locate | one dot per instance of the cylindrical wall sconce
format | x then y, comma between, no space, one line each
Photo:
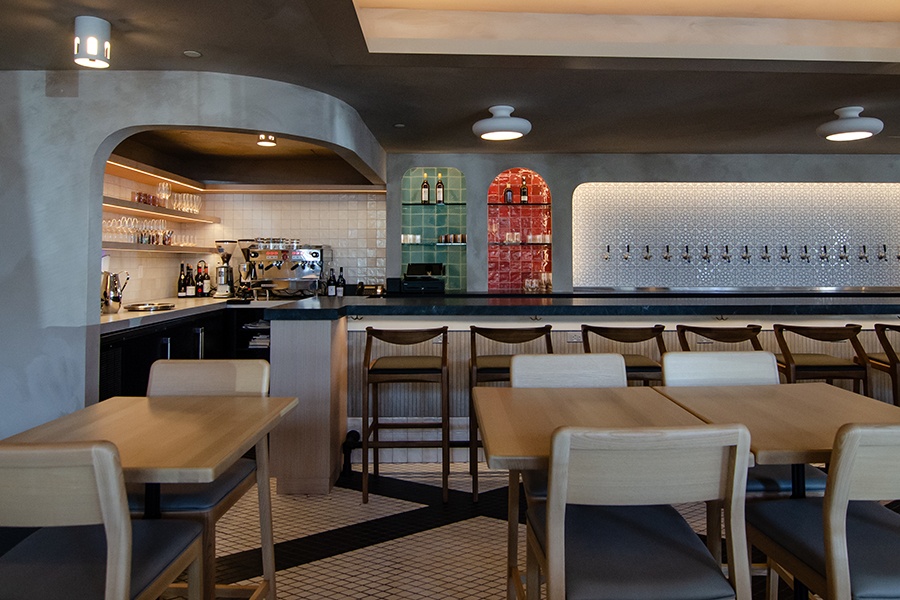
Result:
92,42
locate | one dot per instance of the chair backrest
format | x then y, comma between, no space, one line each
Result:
246,377
405,337
719,368
567,370
865,465
645,467
849,332
726,335
510,335
881,330
53,485
625,335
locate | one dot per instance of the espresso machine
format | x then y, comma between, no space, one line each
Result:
282,267
224,273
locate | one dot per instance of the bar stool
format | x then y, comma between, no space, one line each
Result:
637,366
797,366
887,361
727,335
405,368
486,368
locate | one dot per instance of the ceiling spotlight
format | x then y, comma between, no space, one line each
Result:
92,42
850,126
266,139
501,126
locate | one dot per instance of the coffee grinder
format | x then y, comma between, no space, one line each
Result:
224,274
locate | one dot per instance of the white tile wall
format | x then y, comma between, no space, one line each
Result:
353,224
756,215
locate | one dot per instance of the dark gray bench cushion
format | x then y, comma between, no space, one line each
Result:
176,497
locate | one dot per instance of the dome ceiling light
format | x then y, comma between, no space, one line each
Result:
501,126
849,126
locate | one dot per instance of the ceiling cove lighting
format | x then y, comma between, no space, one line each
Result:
267,140
501,126
849,126
92,42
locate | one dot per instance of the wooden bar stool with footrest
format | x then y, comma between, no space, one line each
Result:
406,368
484,368
796,366
637,366
725,335
887,361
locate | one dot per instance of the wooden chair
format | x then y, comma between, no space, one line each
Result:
408,368
737,368
726,335
796,366
491,367
205,502
845,545
86,546
887,361
639,367
607,529
557,371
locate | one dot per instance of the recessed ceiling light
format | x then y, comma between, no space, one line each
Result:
399,125
192,54
266,139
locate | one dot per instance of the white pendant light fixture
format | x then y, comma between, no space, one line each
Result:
849,126
501,126
267,140
92,42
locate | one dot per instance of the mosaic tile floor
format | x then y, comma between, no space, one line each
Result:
404,544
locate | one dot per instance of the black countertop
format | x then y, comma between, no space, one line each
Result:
618,302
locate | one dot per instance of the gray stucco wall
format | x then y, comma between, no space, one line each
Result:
58,129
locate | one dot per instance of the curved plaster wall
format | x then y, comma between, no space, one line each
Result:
58,130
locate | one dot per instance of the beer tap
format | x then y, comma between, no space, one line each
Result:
765,255
606,254
805,254
686,255
627,254
666,255
863,254
706,255
726,256
882,254
842,255
647,255
745,255
823,255
786,256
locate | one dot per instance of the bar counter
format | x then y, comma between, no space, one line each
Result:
315,345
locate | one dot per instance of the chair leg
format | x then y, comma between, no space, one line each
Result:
512,536
895,386
445,438
473,443
365,443
209,557
771,581
264,498
714,529
532,575
195,579
375,428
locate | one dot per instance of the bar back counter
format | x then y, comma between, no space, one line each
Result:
317,346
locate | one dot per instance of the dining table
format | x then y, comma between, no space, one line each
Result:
516,425
181,439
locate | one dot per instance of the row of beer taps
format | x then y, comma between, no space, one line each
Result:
822,253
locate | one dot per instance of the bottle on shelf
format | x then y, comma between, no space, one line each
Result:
331,285
204,285
181,290
439,191
190,286
426,189
508,194
341,284
523,191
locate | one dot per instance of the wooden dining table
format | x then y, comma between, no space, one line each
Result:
180,439
516,425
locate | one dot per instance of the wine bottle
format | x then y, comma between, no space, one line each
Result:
190,286
331,285
523,191
341,283
508,194
207,283
439,191
181,290
426,190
